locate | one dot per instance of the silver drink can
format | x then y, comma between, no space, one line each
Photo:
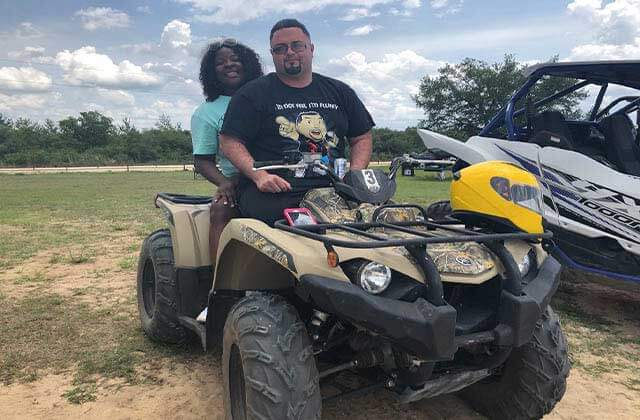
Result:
340,167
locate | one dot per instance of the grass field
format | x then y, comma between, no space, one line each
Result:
77,220
78,210
67,286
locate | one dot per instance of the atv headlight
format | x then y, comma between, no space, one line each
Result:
525,265
374,277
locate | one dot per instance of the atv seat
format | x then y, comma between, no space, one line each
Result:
621,147
551,129
186,199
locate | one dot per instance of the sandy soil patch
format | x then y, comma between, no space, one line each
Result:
193,389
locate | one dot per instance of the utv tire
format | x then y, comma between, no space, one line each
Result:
533,379
269,369
439,210
158,289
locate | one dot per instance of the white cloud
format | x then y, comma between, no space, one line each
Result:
23,79
85,66
144,9
399,12
13,103
179,111
386,86
446,7
116,97
27,53
27,30
94,18
362,30
176,34
144,48
616,23
358,13
176,43
234,12
412,4
605,52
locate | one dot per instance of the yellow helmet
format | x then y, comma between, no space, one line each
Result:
499,193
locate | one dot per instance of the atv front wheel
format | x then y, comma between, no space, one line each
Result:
533,379
268,364
158,289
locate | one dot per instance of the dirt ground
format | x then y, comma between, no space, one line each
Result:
193,389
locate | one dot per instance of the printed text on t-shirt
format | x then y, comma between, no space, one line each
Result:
308,105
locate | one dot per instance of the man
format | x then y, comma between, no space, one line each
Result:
291,109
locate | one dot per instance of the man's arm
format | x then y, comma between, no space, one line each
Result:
235,150
361,148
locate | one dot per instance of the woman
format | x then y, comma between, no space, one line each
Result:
225,67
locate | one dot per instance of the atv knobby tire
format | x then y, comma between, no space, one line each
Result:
269,369
533,379
158,289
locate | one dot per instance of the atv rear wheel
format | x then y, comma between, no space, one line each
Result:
158,289
268,365
533,379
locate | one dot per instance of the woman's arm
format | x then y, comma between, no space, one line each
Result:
226,186
205,166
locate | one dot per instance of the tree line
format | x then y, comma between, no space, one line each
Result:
90,139
456,102
93,139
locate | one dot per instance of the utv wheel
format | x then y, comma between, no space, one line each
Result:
532,380
268,364
158,289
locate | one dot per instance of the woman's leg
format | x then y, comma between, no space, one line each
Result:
219,217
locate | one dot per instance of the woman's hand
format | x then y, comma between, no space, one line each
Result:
226,192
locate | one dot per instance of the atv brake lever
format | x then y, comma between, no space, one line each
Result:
395,165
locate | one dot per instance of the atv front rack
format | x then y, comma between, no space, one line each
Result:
416,245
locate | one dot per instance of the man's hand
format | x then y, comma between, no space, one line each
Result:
226,192
267,182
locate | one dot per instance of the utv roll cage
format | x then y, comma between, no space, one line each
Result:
601,73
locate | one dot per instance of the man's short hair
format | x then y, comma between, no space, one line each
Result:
288,23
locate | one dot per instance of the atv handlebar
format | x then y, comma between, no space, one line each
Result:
290,163
263,163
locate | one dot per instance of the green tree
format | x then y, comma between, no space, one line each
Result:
462,98
92,129
388,143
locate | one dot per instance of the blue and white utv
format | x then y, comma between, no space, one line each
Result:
589,169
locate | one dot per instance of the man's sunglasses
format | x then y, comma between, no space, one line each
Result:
227,42
296,46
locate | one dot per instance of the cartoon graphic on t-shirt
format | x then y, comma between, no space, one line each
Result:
311,127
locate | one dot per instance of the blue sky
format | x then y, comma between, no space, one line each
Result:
139,59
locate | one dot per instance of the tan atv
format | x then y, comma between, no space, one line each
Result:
357,283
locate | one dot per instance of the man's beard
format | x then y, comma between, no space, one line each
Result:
293,70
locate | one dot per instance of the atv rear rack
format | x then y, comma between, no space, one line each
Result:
416,245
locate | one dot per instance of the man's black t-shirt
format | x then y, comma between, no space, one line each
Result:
271,117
